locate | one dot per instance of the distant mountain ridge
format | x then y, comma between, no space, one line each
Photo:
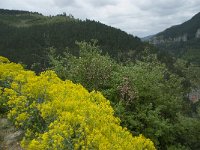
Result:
25,36
181,40
18,18
186,31
147,38
16,12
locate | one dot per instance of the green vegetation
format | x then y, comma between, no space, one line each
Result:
182,40
60,115
189,27
146,87
183,43
27,19
25,37
192,55
146,96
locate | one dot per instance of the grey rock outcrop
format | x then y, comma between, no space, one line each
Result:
160,39
181,38
9,136
198,33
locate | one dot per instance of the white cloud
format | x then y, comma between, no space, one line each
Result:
141,18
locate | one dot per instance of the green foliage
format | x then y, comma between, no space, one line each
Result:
189,27
146,96
189,49
21,19
60,115
157,102
26,36
188,131
191,72
192,55
90,68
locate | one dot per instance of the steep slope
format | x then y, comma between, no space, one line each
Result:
190,28
186,31
181,40
25,36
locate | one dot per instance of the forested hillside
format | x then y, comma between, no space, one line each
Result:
183,40
25,36
189,27
93,86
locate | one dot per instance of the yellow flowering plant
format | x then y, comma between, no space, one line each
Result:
58,114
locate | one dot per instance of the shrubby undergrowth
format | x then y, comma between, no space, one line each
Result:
57,114
147,97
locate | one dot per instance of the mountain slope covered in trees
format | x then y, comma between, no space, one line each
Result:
25,36
189,27
183,40
150,97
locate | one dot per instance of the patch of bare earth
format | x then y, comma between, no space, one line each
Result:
9,136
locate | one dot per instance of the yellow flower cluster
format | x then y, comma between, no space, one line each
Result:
4,60
60,115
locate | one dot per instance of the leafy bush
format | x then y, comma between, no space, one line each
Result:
58,114
146,96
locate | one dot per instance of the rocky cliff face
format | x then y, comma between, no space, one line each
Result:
198,33
160,39
185,32
182,38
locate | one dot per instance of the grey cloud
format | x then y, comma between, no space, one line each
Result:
65,3
101,3
141,18
162,7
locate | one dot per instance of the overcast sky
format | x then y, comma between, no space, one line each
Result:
137,17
